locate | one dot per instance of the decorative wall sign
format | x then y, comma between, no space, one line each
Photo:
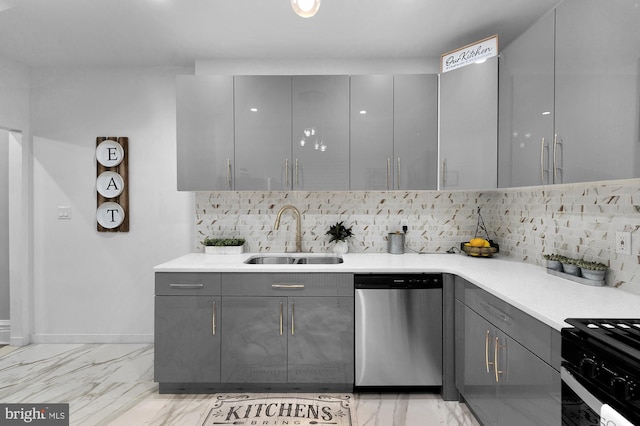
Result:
469,54
112,161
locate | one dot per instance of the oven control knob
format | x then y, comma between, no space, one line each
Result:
622,389
589,368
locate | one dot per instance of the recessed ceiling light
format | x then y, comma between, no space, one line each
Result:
305,8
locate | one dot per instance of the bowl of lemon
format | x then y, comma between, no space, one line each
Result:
479,247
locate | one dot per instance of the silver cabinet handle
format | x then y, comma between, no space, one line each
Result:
179,285
281,319
287,285
286,172
542,169
557,144
229,173
497,312
443,174
297,179
398,175
293,321
388,172
213,319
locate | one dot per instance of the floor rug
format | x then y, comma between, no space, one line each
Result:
281,410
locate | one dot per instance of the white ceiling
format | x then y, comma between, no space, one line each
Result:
177,32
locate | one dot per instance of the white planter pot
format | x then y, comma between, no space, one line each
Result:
593,275
224,249
340,247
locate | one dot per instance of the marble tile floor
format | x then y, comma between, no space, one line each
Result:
112,384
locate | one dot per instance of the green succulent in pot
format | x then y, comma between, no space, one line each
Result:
339,232
222,242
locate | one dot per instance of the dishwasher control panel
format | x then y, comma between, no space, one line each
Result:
386,281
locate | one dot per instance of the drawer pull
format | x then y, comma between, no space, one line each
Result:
179,285
281,318
293,321
287,286
497,312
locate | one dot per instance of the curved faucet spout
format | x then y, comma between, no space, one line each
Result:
296,214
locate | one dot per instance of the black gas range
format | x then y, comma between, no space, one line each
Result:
601,372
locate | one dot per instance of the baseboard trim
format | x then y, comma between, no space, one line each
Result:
92,338
5,332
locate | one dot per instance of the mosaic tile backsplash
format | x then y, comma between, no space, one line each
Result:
577,220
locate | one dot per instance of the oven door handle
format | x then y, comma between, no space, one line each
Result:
586,396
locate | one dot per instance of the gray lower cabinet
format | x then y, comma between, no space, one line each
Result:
295,330
256,331
502,381
187,332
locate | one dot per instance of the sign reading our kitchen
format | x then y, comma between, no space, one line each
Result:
469,54
111,184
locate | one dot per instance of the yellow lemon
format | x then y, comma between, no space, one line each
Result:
478,242
487,244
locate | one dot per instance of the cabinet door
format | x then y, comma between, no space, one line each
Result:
187,339
468,130
526,107
371,117
480,389
254,343
528,390
263,132
204,113
597,86
321,340
415,132
321,132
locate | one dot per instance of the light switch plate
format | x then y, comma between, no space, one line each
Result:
64,212
623,242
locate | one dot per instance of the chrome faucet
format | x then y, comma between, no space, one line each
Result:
296,213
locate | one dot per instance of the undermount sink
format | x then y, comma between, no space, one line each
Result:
294,259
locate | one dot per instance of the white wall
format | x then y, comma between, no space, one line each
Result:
4,226
14,114
91,286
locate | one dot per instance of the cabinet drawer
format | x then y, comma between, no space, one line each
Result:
187,283
282,284
522,327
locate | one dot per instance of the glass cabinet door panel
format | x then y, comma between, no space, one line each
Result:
526,91
263,132
320,132
371,115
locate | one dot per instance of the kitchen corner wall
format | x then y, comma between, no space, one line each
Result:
578,220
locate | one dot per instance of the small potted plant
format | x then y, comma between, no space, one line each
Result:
223,245
570,266
593,270
339,234
553,261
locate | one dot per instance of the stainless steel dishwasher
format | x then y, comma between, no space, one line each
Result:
398,331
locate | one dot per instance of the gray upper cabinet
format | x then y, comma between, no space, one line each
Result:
468,129
569,97
204,132
415,131
371,132
320,132
526,91
263,133
597,90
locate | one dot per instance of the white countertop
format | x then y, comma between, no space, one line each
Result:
528,287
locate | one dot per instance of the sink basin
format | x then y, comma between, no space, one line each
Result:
294,259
